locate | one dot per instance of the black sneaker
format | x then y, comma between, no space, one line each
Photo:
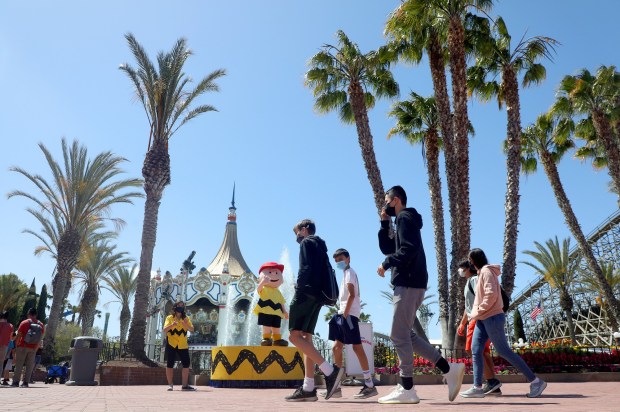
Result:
332,382
5,383
24,385
366,392
302,396
188,388
15,385
492,386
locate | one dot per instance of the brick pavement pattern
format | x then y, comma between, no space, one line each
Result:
566,397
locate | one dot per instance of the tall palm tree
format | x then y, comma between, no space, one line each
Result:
496,58
167,99
548,140
79,196
100,259
555,265
344,79
122,283
418,122
596,97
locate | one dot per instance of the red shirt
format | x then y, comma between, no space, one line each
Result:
23,329
6,331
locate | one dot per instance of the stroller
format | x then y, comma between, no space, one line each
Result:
57,373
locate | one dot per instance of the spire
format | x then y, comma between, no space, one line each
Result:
232,210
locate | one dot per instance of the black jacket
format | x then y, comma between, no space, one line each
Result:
312,258
405,253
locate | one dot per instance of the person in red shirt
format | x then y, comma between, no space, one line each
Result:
26,347
6,331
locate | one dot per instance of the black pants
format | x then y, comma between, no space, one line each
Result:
171,354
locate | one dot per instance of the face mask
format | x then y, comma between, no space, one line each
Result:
299,238
461,273
389,210
179,309
342,265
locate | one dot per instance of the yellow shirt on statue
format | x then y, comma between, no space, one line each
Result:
270,302
177,336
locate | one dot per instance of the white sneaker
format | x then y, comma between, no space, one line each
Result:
400,395
454,379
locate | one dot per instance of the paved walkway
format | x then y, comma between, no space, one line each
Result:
591,396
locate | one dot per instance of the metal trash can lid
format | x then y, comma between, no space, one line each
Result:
83,342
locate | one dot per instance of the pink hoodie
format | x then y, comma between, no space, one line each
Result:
488,301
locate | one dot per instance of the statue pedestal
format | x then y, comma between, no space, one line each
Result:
256,367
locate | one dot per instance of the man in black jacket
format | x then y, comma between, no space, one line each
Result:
405,257
304,312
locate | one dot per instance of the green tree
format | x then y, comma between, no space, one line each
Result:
555,265
12,292
99,261
42,305
167,101
548,140
122,283
344,79
519,331
417,121
495,74
79,196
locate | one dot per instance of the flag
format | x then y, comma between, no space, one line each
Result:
537,311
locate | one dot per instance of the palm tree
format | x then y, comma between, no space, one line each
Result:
79,196
495,59
122,283
418,122
167,101
344,79
555,265
548,140
12,291
100,259
597,98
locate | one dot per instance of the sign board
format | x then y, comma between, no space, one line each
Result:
353,367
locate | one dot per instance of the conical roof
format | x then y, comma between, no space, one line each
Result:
229,258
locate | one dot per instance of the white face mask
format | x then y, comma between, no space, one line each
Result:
461,273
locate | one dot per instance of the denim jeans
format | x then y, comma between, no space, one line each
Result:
406,341
493,329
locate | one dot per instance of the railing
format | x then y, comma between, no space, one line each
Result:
117,351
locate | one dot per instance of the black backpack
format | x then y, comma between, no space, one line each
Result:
329,286
34,334
505,298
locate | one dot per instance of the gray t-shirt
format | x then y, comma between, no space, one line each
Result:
469,295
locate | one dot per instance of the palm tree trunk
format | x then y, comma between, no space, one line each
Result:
573,225
438,73
156,173
610,143
124,320
89,306
68,251
434,186
360,113
566,303
513,171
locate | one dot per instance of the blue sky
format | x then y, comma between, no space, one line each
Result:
59,68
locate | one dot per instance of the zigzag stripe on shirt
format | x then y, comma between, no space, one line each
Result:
269,303
178,332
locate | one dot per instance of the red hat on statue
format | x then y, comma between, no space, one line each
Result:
274,265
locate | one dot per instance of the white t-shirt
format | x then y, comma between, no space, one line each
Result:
350,277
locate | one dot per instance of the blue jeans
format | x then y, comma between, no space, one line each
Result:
493,329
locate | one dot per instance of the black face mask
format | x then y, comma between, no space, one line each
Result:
299,238
179,309
389,210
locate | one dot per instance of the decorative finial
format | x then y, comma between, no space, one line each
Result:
233,199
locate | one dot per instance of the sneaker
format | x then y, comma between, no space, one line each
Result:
496,392
454,379
332,382
366,392
337,393
302,396
492,385
537,388
188,388
25,385
170,388
400,395
473,392
15,385
5,383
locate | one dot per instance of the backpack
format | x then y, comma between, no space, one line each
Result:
34,334
329,292
505,298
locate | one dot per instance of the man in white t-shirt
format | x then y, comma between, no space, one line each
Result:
344,326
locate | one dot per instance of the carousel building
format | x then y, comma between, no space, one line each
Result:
217,298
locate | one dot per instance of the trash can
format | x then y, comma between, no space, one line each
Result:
85,352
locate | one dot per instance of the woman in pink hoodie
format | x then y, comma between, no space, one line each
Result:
490,320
